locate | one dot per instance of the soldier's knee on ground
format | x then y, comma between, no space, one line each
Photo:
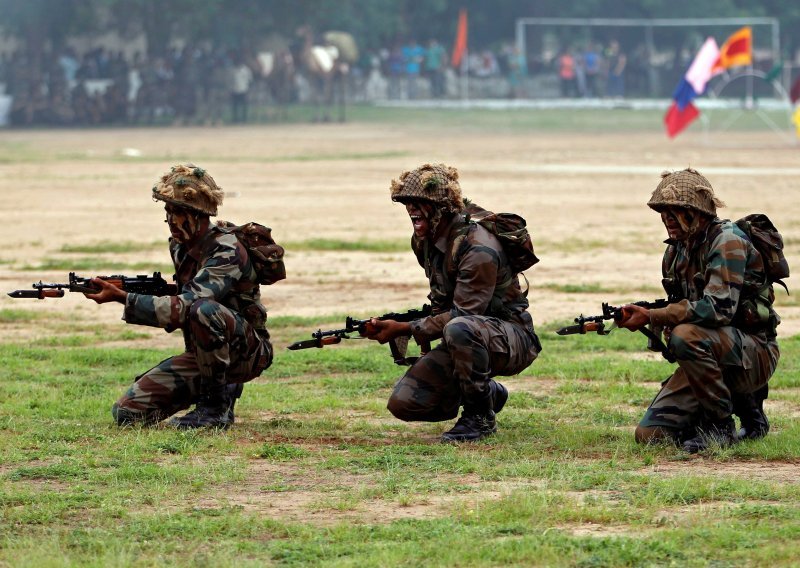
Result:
127,417
654,434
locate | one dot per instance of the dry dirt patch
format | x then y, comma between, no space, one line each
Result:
292,493
777,472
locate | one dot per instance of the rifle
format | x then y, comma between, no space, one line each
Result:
596,324
398,345
153,285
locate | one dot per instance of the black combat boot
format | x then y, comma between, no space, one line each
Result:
477,419
471,427
721,432
213,410
499,395
750,410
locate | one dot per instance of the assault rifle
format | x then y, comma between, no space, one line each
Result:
153,285
398,345
596,324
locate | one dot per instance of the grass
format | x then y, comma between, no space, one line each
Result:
316,472
113,247
95,265
348,246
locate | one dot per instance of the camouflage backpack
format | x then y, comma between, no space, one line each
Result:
265,255
510,229
769,243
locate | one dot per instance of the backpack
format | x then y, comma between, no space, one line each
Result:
265,255
510,229
769,243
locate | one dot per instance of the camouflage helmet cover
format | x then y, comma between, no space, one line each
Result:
686,188
186,185
436,183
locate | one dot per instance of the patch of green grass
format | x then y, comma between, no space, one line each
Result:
11,315
586,288
112,247
316,471
95,265
347,246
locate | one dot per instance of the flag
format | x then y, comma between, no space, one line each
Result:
460,46
700,71
682,112
796,120
736,51
774,73
794,93
676,119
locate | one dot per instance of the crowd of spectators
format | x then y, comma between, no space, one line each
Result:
102,87
194,85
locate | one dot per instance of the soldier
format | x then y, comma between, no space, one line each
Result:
479,312
216,304
722,330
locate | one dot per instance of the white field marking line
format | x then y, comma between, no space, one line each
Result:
645,170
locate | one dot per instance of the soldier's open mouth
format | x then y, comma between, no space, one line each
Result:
417,221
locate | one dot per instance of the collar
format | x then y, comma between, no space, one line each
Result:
444,232
196,251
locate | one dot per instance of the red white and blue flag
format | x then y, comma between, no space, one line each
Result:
709,61
682,112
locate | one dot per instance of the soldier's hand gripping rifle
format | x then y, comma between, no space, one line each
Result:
153,285
398,345
596,324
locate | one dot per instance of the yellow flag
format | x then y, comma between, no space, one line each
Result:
796,120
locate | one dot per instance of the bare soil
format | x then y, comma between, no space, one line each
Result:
583,196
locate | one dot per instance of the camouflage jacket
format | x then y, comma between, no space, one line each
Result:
711,276
469,275
217,267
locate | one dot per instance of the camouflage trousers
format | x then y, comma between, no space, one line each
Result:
712,363
459,370
222,348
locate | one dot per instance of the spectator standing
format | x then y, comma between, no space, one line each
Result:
517,71
617,62
566,73
435,64
413,56
241,80
591,66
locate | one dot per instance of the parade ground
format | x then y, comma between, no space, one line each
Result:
316,471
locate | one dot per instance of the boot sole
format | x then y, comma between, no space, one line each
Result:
445,439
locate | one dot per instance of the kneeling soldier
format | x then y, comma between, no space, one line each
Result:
479,312
725,357
216,305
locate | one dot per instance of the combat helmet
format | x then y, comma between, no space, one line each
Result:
436,183
186,185
686,188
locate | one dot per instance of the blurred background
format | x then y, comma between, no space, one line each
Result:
211,62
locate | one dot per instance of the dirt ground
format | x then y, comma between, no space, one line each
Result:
583,196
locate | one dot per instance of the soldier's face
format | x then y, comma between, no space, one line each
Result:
420,214
182,223
674,228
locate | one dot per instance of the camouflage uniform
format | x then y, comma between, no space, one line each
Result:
217,307
479,312
720,351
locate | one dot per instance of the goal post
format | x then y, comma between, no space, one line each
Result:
585,29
